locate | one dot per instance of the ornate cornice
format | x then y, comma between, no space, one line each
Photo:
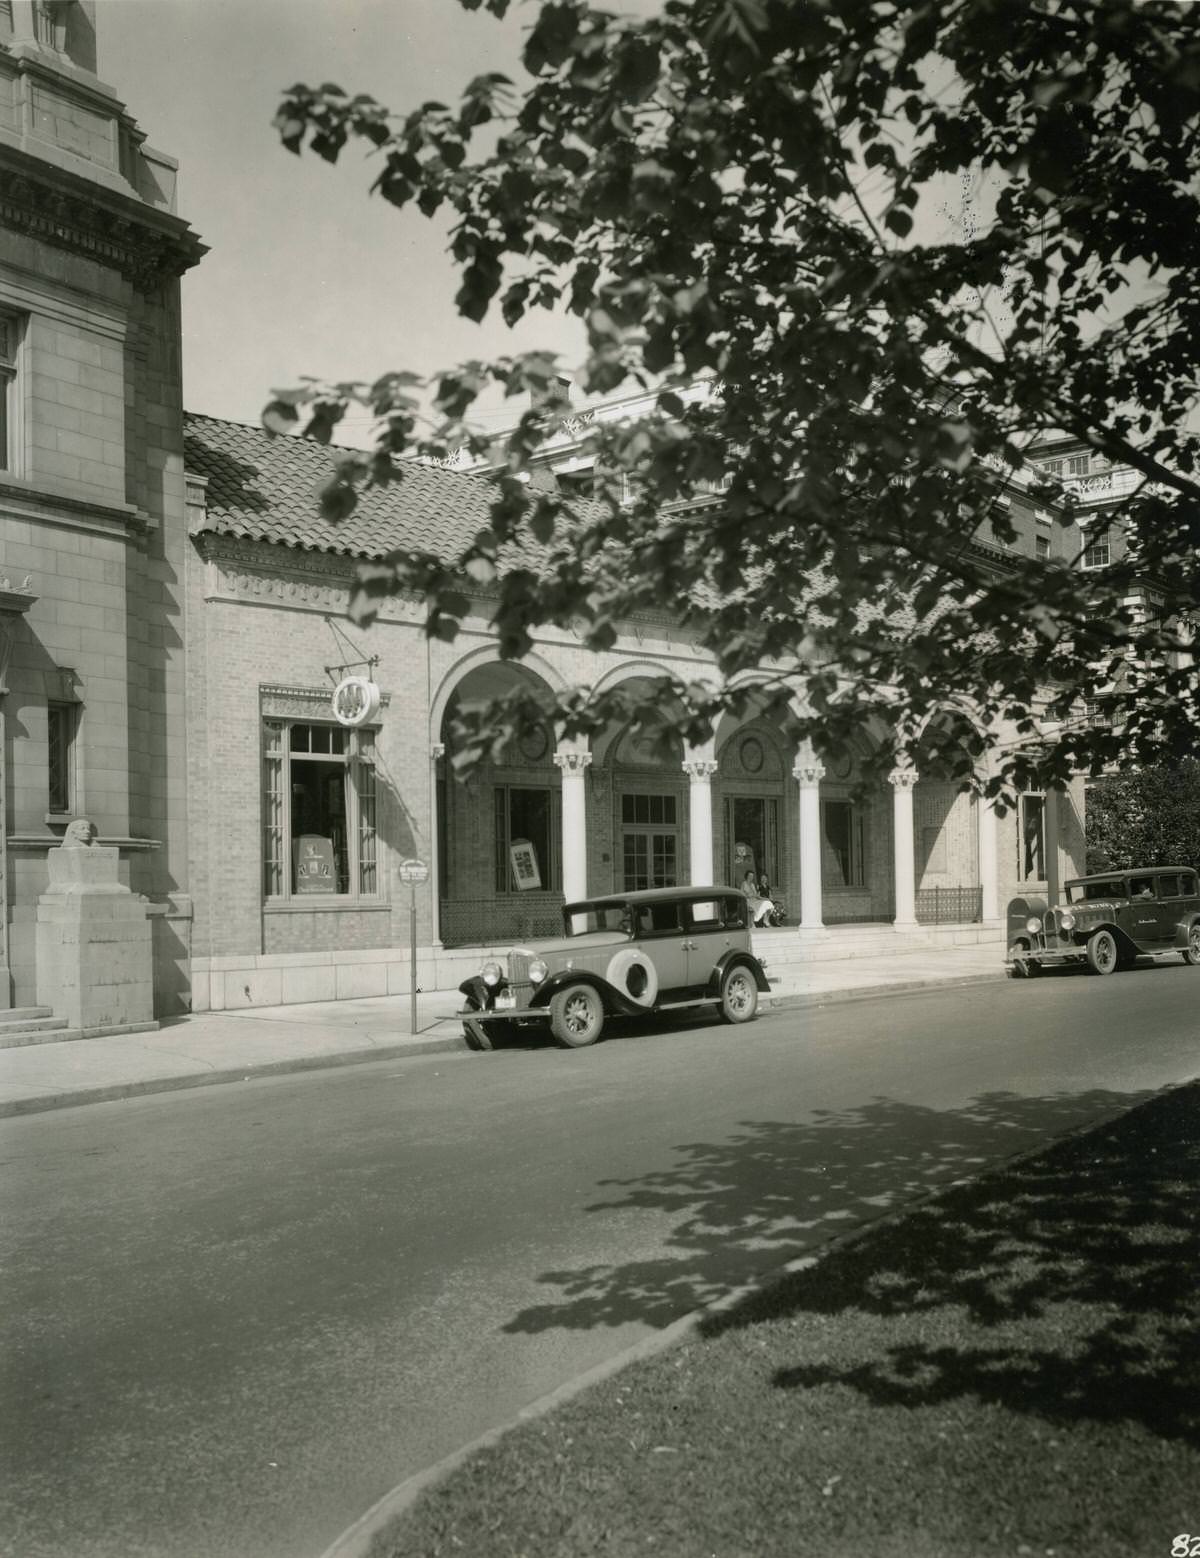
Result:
147,247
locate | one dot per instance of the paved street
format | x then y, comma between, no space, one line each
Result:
236,1316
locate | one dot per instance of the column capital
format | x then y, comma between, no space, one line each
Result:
808,775
903,778
699,769
572,762
437,750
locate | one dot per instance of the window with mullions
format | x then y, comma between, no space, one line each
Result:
649,842
526,838
1095,550
10,336
319,812
60,757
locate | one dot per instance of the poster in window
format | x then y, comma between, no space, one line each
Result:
314,864
524,865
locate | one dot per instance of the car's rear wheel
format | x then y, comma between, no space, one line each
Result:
1191,953
576,1016
1020,964
1102,954
739,995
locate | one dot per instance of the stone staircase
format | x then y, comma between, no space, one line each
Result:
21,1025
789,944
33,1025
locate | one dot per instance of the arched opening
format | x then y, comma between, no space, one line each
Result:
856,839
500,830
946,871
638,819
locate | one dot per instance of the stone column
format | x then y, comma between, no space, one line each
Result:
989,867
14,603
1050,828
700,771
808,773
574,823
436,752
903,780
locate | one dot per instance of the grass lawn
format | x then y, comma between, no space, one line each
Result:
1012,1368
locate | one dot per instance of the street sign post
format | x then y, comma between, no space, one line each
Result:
414,872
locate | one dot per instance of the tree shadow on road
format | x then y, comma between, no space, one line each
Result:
1098,1236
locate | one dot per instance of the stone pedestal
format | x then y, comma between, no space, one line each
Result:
94,952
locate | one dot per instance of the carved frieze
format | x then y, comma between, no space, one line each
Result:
312,581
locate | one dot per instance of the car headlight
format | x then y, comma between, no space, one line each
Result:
1067,920
491,973
1032,924
538,971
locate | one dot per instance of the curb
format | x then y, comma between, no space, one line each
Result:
121,1090
357,1540
118,1091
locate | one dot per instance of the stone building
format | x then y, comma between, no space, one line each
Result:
300,823
92,523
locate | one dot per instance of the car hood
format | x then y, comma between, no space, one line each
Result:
595,938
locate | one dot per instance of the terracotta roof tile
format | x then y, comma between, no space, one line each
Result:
266,489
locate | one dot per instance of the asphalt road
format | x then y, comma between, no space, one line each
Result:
235,1317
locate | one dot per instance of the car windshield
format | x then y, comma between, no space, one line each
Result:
1092,892
611,917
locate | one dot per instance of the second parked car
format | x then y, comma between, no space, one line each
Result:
1107,921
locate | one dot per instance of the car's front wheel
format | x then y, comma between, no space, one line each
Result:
1191,953
739,995
1102,954
576,1016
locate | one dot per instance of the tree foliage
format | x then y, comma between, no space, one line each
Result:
748,191
1147,817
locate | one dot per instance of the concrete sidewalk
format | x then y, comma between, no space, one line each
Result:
216,1047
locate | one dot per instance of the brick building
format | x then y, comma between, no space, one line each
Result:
92,526
299,823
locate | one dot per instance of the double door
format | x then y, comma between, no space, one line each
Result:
752,840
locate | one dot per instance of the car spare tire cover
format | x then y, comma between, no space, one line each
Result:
634,975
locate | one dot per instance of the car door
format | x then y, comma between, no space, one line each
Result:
659,931
1172,901
1142,918
710,938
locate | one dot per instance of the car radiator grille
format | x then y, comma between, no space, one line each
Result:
518,968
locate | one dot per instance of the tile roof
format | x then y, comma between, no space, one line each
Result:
265,489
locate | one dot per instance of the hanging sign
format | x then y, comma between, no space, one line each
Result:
355,700
524,864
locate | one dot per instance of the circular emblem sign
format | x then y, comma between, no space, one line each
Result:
355,701
413,871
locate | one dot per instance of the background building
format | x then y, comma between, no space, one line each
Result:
299,823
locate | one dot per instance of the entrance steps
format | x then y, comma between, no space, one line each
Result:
790,944
21,1025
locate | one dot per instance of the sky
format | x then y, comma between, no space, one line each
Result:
308,273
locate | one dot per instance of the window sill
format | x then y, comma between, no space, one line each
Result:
322,905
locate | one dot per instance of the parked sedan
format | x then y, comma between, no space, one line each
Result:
664,950
1107,921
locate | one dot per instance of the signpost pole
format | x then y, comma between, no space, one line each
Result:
413,872
412,958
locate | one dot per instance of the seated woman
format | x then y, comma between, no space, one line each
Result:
760,907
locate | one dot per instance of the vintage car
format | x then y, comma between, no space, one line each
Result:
1107,921
666,949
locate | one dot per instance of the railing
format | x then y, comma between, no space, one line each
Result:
949,905
475,922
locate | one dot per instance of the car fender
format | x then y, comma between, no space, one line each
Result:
614,1000
732,959
1182,930
1125,943
480,996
